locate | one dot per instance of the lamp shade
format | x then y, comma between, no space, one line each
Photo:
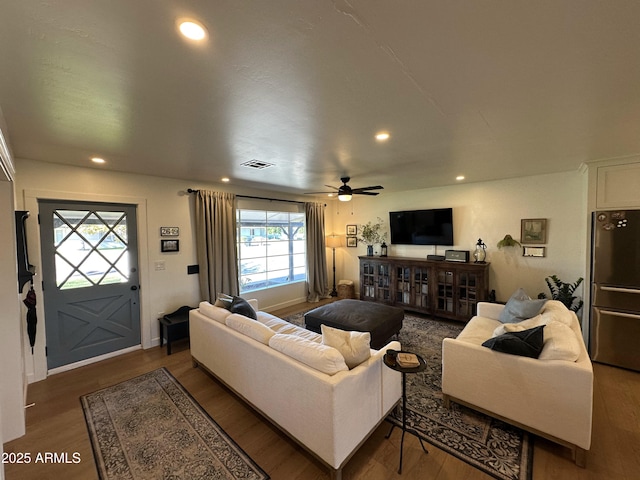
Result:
333,241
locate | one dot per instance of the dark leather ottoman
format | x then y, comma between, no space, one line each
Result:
382,321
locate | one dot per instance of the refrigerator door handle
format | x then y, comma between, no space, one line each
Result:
621,290
620,314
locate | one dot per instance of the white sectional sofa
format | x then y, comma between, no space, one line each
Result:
552,398
329,414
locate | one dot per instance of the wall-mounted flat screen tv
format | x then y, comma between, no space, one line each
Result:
422,227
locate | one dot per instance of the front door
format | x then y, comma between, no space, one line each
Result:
90,279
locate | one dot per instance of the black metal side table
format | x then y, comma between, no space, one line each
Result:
390,361
175,326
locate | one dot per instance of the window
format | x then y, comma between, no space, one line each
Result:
91,248
271,248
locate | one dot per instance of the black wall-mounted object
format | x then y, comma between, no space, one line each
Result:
192,269
26,271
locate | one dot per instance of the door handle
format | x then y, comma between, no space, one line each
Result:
620,290
134,287
620,314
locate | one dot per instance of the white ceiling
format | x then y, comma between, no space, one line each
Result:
485,89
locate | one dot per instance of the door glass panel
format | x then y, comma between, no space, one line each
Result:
90,248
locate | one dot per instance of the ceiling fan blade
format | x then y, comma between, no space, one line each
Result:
365,193
363,189
316,193
331,186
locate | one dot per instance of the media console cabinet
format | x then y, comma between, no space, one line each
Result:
445,289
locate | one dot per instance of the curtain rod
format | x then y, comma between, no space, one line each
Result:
191,190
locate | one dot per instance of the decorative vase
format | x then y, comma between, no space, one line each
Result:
370,250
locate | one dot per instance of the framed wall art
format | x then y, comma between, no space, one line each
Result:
169,245
169,231
533,230
352,241
352,229
533,251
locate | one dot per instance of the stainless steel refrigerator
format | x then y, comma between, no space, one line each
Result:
615,281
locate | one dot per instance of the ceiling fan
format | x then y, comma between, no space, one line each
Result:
345,192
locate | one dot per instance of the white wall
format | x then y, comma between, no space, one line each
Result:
487,210
11,321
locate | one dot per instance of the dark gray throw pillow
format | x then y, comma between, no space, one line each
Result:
526,343
241,306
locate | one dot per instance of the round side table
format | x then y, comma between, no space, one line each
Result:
390,361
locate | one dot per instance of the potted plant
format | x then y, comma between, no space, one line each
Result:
371,233
563,292
508,241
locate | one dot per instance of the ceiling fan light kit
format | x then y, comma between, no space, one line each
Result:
346,193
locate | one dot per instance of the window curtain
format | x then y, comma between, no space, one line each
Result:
317,277
216,244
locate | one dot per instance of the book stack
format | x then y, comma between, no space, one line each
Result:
407,360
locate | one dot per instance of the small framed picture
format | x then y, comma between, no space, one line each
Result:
169,231
352,241
533,251
169,245
533,230
352,230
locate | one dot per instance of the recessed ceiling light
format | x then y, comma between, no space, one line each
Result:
460,177
382,136
98,160
225,179
192,30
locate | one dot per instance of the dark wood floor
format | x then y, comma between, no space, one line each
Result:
56,424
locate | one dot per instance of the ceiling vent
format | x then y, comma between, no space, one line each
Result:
257,164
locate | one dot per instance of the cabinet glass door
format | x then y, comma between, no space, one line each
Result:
403,285
383,282
421,286
368,281
467,294
445,291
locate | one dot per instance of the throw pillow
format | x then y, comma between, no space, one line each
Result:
241,306
248,327
527,343
224,301
320,357
520,307
354,346
560,343
218,314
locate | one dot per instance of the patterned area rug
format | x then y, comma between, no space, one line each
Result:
498,449
149,427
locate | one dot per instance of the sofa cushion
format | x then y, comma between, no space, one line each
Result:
527,343
560,343
250,328
218,314
241,306
520,326
320,357
355,347
279,325
520,307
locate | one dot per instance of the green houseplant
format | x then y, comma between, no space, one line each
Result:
564,292
372,233
508,241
